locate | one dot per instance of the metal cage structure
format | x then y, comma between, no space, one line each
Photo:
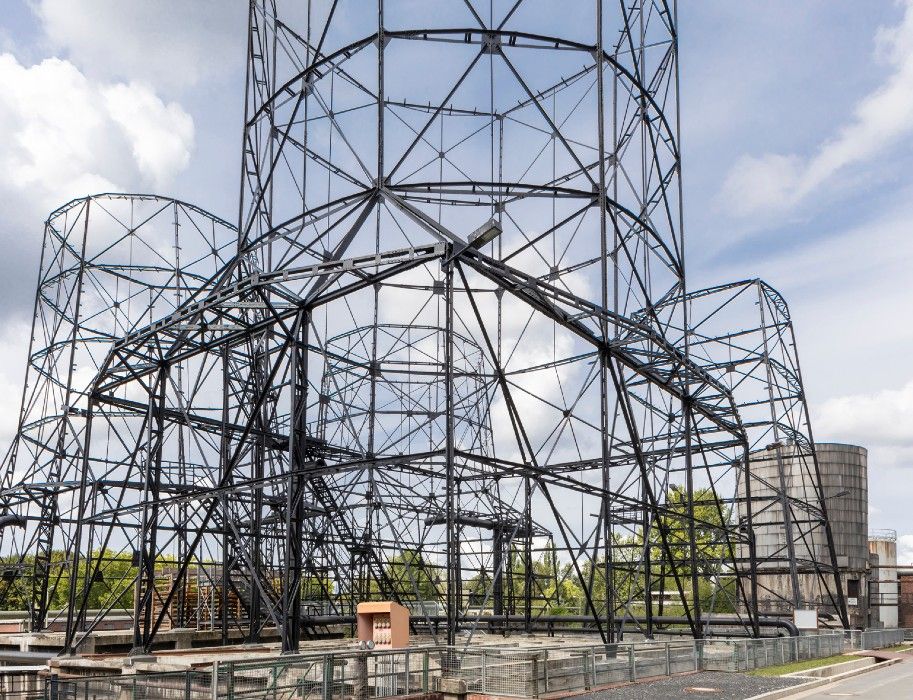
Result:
743,333
110,263
447,357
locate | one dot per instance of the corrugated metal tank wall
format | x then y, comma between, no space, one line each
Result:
845,480
845,486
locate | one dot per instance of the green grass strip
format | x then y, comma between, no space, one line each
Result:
803,665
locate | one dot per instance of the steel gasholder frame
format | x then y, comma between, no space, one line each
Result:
358,399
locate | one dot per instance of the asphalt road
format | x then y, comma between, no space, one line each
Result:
891,683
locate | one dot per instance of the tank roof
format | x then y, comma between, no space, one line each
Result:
840,445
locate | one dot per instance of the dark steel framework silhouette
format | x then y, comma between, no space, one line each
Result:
447,356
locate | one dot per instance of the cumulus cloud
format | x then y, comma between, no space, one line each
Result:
167,43
160,135
881,421
47,149
777,183
881,418
14,344
905,549
67,136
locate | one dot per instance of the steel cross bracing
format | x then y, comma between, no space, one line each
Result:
446,358
109,263
742,333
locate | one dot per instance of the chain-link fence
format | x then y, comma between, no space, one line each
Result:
497,671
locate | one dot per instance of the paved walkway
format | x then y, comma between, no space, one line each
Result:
893,682
717,685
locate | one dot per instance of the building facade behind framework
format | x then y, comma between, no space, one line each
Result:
884,585
905,596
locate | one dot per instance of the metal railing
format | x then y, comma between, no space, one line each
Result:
501,671
357,674
877,639
749,654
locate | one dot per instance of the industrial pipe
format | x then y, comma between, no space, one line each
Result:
715,621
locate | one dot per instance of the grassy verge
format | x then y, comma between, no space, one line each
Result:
899,647
802,665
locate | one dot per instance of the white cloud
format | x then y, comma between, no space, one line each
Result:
66,136
756,184
14,345
881,418
881,421
775,183
46,149
168,43
160,135
905,549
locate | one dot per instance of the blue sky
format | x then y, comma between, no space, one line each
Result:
797,128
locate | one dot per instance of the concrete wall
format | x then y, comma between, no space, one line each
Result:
883,586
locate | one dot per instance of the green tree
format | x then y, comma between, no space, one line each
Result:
716,585
411,576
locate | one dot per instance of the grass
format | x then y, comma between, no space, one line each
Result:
802,665
899,647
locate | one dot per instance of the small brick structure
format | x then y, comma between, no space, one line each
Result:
905,600
384,623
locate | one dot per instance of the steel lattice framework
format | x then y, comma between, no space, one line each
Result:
447,357
110,264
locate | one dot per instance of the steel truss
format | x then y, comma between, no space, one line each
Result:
109,264
448,358
742,332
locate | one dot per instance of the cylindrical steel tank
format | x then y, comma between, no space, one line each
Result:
788,469
845,481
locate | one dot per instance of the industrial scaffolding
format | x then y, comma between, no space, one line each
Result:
447,356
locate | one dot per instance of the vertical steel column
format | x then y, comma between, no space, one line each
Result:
528,555
692,540
144,595
223,506
47,525
73,620
182,457
497,561
784,497
748,526
260,417
453,554
840,603
605,424
294,509
648,571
